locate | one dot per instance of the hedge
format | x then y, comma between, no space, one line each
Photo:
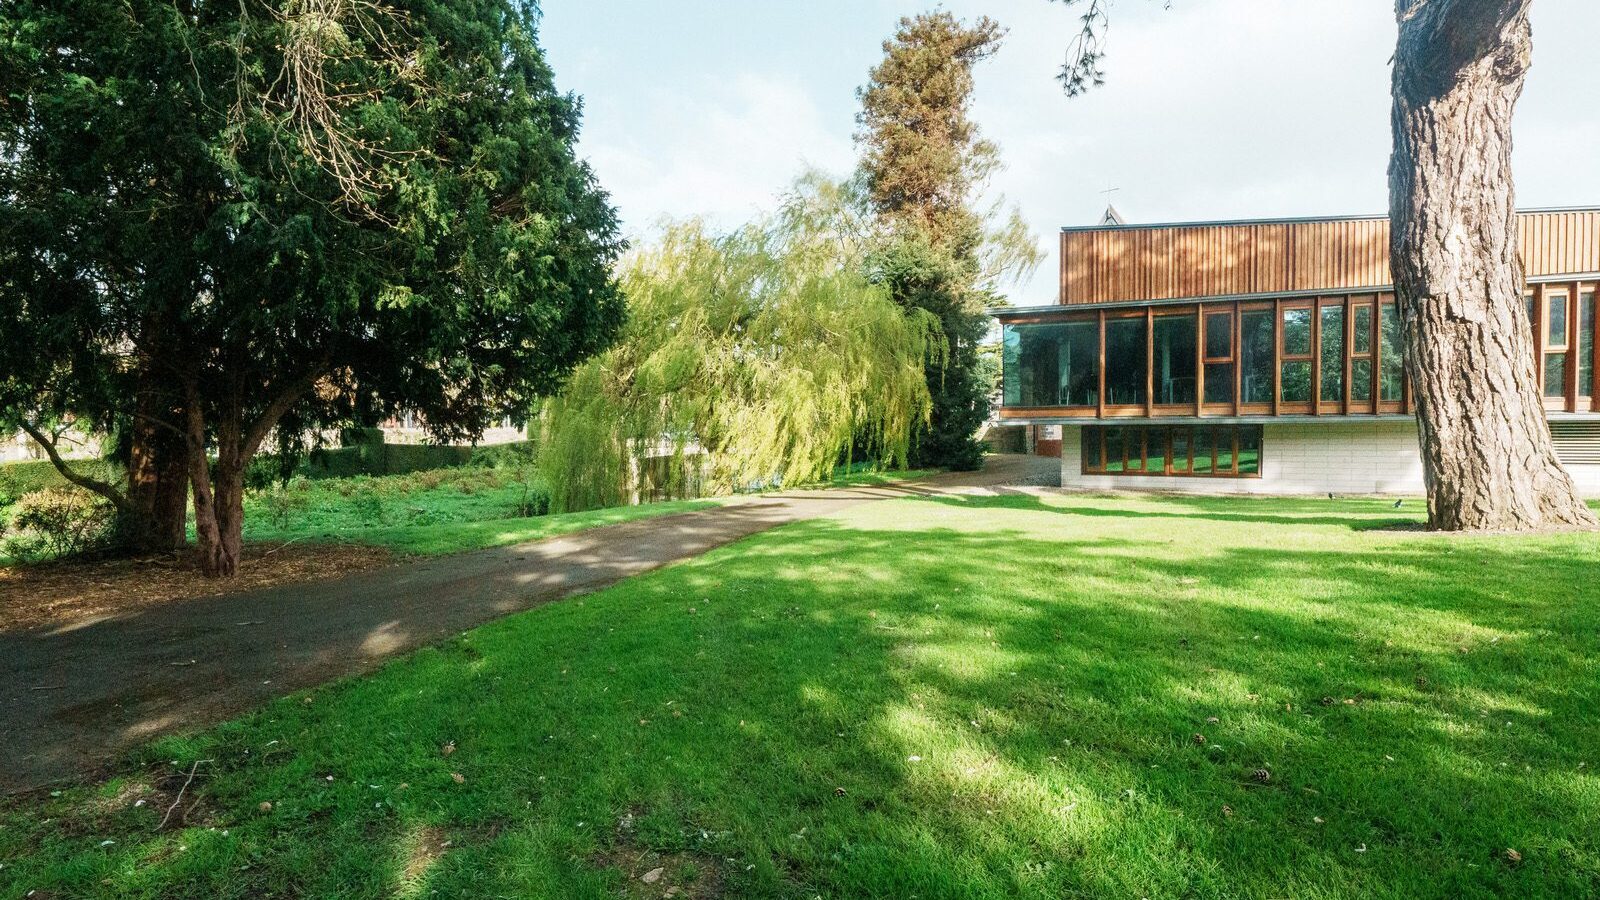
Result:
20,478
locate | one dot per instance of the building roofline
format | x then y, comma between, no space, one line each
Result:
1293,220
1004,312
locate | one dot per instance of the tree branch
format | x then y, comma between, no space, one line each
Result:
285,398
103,488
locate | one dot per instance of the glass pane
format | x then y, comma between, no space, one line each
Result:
1297,332
1250,450
1180,449
1219,382
1225,450
1332,354
1297,381
1393,350
1155,450
1134,442
1362,339
1203,448
1125,361
1556,311
1586,344
1175,359
1091,449
1219,335
1555,374
1114,449
1256,358
1051,365
1361,380
1011,366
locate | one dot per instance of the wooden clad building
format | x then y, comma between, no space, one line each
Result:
1208,343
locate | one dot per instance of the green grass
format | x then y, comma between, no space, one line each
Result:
988,697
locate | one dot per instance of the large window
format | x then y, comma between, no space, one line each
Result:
1219,357
1255,355
1296,357
1391,354
1212,451
1556,336
1332,355
1361,353
1052,365
1586,343
1126,368
1175,359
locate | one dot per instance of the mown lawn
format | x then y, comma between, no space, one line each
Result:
987,697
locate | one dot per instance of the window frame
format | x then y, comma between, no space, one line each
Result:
1231,311
1141,435
1284,357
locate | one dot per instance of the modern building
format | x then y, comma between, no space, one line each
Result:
1265,356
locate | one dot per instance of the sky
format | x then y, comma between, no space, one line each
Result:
1213,109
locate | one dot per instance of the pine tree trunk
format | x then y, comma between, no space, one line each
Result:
1487,456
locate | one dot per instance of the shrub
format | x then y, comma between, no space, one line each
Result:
504,456
58,522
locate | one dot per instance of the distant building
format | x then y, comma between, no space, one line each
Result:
1264,356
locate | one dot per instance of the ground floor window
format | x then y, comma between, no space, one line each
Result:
1204,451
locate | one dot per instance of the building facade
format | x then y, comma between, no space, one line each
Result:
1266,356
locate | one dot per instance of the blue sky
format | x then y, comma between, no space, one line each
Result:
1214,108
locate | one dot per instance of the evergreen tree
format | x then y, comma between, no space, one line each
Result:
221,222
924,166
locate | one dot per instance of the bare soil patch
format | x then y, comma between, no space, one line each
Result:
54,594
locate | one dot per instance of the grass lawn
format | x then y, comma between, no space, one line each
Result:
450,510
985,697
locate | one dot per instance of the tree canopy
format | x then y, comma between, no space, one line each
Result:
758,356
925,167
275,217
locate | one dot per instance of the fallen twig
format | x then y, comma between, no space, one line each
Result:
179,798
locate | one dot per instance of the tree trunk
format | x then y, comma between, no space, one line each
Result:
218,493
1487,456
158,474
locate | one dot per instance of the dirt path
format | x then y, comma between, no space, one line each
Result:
73,696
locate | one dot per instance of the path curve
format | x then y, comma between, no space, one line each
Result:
74,696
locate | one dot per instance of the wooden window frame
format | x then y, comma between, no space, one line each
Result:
1270,407
1593,398
1169,409
1388,406
1353,406
1340,406
1234,432
1231,310
1567,350
1283,357
1128,410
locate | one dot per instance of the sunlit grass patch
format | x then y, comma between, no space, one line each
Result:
1024,695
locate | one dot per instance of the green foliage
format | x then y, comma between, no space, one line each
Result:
19,478
751,358
57,522
301,215
924,167
979,697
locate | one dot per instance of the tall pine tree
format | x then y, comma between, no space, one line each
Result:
924,165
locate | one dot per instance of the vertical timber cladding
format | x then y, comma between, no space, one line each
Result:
1162,262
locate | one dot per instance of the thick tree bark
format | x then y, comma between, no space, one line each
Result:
1486,450
158,472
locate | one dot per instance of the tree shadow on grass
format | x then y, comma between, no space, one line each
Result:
983,707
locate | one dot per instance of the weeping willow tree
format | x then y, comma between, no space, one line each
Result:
759,356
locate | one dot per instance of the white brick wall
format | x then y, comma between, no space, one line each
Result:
1373,457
